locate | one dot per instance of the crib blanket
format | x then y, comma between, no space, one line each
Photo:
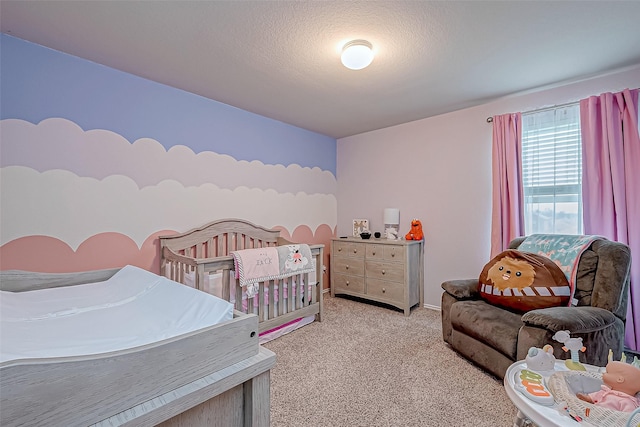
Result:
257,265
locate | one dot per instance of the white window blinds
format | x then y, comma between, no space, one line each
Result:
552,170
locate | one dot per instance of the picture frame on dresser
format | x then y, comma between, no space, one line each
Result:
360,226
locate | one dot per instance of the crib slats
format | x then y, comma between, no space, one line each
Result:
309,289
219,251
203,251
239,299
290,299
281,304
270,311
211,247
261,312
226,290
199,273
231,242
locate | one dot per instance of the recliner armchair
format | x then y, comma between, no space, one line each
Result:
494,338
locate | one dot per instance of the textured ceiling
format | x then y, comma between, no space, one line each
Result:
281,59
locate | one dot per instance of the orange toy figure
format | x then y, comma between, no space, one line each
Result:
621,383
416,231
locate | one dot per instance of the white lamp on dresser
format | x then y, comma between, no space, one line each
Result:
391,223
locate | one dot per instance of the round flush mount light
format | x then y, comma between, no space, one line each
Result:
357,54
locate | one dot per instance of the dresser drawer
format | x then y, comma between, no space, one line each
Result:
385,271
352,266
390,291
374,252
346,283
394,253
348,249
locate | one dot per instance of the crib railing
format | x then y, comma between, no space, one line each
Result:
277,302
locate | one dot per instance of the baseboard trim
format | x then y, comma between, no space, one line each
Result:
427,306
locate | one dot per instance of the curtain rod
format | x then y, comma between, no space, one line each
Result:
490,119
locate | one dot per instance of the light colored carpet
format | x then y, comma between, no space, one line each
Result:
370,366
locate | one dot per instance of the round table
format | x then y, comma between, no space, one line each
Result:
540,415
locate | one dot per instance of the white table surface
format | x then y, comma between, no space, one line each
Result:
543,416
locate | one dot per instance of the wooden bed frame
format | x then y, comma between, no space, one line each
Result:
207,249
217,375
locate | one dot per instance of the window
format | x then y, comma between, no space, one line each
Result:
552,170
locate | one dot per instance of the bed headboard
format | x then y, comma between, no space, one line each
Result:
208,248
220,238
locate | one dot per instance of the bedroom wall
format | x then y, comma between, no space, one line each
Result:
439,170
96,163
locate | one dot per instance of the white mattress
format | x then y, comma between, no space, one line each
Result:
133,308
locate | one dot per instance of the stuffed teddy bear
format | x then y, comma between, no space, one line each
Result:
416,231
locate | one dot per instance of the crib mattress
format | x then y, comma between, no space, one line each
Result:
132,308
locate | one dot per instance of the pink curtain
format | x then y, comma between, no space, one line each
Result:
507,219
611,183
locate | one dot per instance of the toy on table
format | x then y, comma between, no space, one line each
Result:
621,384
530,381
541,359
574,345
564,409
416,231
636,361
531,384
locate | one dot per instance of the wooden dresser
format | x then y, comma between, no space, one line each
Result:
386,271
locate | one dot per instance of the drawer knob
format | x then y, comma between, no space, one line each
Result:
393,254
339,249
346,267
383,272
347,283
384,290
373,253
355,251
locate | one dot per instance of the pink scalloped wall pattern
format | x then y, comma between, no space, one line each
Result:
100,251
113,250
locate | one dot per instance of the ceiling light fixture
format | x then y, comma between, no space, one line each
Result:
357,54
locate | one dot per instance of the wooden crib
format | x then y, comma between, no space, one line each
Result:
206,250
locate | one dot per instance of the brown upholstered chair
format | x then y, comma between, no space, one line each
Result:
494,338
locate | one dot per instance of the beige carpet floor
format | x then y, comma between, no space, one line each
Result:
371,366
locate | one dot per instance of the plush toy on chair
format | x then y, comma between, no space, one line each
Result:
416,231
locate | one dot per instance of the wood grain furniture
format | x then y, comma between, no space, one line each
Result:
214,373
386,271
207,250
